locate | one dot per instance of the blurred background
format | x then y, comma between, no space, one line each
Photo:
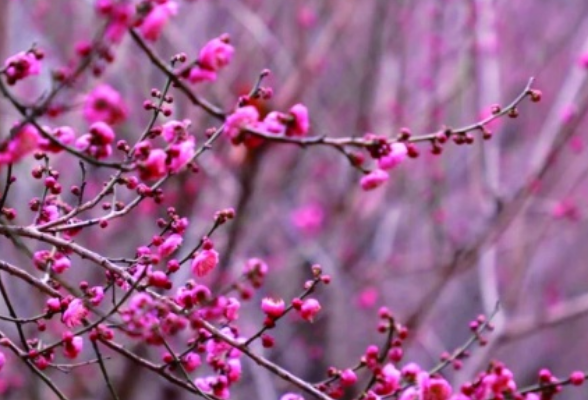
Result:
443,241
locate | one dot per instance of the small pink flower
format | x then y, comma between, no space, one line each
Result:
242,117
2,360
72,347
191,361
348,377
180,154
120,18
204,262
154,166
273,308
291,396
105,104
215,54
397,154
175,130
60,263
374,179
435,389
309,309
53,304
24,142
64,134
75,312
300,124
198,75
234,370
20,66
274,123
96,295
170,245
232,307
156,19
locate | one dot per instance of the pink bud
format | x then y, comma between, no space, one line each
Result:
374,179
204,262
309,309
273,308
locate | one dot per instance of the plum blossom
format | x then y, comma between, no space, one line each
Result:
309,309
204,262
98,141
300,123
215,55
374,179
23,142
398,153
273,308
75,313
153,24
242,117
72,345
105,104
170,245
21,66
65,135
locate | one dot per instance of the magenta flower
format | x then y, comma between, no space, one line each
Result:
397,154
348,377
72,346
154,22
300,122
64,134
242,117
96,295
435,388
215,55
2,360
170,245
154,166
24,142
105,104
21,65
204,262
75,313
273,308
374,179
309,309
181,154
191,361
60,263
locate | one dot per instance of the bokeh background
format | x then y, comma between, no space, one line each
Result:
448,236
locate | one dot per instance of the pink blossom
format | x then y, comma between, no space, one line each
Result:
204,262
119,14
374,179
170,245
24,142
215,54
75,313
175,130
156,19
180,154
389,380
397,154
232,307
348,377
308,219
97,142
191,361
234,370
73,347
300,122
60,263
198,75
2,360
21,65
309,309
435,388
154,166
65,135
105,104
53,304
273,308
96,295
242,117
274,123
255,266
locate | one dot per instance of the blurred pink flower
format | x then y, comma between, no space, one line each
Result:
301,123
170,245
374,179
242,117
204,262
105,104
309,309
20,66
75,312
397,154
72,347
156,19
273,308
215,54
